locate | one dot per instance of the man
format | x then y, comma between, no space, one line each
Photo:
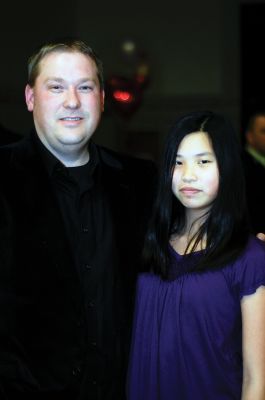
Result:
71,226
254,162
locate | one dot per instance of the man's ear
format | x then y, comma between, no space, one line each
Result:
29,96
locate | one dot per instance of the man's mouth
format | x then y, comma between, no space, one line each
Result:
71,119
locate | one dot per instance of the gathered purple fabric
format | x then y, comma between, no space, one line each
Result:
187,335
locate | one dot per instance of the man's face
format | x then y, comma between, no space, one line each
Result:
256,137
66,100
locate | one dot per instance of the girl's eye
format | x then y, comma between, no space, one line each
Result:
178,163
204,161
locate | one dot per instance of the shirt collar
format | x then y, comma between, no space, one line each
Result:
51,163
54,166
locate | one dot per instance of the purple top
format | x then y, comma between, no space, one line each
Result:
186,341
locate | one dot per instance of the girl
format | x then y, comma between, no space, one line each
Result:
199,328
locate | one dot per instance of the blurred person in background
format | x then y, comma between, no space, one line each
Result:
254,164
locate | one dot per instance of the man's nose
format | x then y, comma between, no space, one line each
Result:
72,99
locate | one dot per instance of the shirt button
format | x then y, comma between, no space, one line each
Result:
93,344
85,229
87,267
91,304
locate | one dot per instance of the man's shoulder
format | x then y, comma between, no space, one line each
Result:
16,155
21,144
8,136
138,174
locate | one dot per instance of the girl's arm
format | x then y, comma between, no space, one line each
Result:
253,342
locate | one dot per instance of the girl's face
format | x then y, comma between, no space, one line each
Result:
196,176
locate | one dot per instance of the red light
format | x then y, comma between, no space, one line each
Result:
122,96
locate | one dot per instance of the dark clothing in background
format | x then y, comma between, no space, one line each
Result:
70,241
7,136
255,184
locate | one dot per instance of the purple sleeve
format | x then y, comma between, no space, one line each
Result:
249,270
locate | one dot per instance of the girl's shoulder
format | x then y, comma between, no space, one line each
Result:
247,273
255,250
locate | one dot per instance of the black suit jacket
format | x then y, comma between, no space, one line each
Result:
41,301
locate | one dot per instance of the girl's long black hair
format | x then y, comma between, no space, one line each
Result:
226,224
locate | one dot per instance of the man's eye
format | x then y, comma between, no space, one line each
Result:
85,88
56,88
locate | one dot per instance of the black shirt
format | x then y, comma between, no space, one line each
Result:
87,219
